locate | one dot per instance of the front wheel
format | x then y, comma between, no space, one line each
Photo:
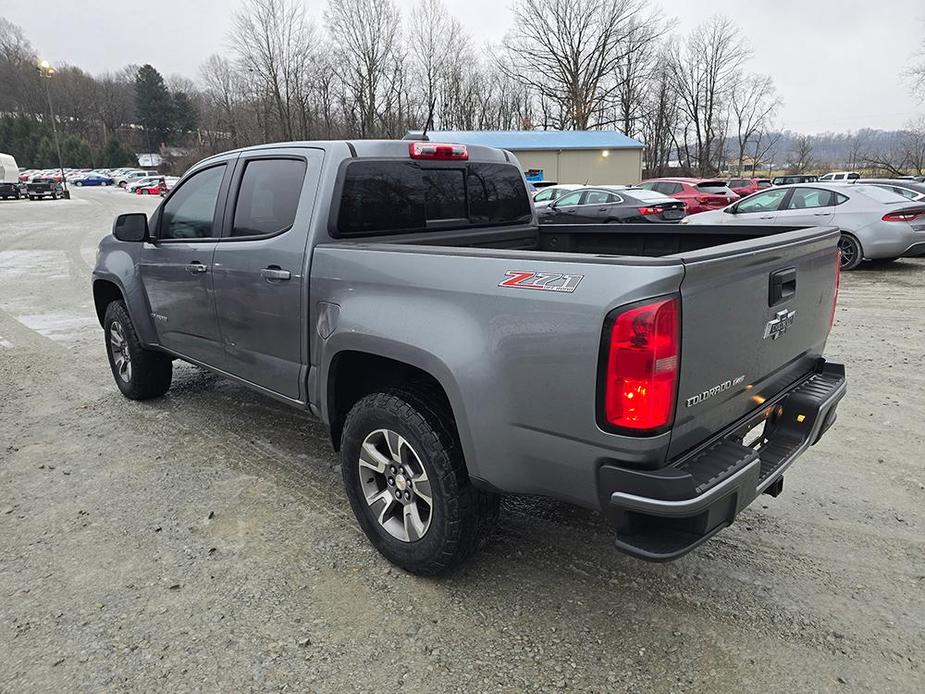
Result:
407,483
78,183
851,253
141,374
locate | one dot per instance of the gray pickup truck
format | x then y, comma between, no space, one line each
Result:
403,293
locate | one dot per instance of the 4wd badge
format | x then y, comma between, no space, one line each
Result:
778,325
544,281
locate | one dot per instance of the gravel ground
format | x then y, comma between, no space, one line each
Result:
203,541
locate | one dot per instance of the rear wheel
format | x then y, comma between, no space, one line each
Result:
140,373
851,253
408,486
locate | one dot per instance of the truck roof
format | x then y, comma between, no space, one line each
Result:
398,149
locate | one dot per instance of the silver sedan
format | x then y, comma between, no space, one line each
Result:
876,224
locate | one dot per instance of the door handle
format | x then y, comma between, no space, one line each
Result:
274,274
770,216
821,214
196,267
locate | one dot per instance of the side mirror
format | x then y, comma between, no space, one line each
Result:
131,227
731,209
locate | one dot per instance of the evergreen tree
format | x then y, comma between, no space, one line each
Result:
154,105
76,152
115,154
185,117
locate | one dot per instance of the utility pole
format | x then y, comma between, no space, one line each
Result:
47,71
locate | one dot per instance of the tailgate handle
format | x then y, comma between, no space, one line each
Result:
782,285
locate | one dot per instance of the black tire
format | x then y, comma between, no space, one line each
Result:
149,373
460,516
851,252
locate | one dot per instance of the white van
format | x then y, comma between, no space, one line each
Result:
9,177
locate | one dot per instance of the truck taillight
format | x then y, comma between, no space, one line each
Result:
837,285
433,150
640,373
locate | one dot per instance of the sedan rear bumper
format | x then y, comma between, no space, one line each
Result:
661,515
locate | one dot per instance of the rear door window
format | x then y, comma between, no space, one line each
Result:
403,196
599,197
268,196
807,198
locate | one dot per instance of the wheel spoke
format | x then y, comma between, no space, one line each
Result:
422,489
371,458
414,526
394,442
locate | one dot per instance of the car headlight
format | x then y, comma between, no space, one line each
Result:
685,221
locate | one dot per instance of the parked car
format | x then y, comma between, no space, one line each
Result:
840,176
747,186
698,194
155,187
908,188
791,179
9,177
545,196
93,179
452,363
610,205
875,224
133,175
145,181
38,188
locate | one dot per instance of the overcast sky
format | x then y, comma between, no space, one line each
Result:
837,63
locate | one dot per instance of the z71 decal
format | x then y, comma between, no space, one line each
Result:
544,281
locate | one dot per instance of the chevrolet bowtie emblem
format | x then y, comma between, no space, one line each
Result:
778,325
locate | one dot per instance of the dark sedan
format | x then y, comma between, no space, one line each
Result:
618,205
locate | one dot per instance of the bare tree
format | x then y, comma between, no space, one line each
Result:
802,156
568,52
661,119
753,105
706,73
365,36
906,156
636,69
273,41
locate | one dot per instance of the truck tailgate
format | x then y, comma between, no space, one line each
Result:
754,320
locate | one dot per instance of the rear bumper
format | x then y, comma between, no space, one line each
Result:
663,514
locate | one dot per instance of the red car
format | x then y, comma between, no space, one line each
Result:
697,194
747,186
158,188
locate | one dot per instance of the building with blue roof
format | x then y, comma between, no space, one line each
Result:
565,156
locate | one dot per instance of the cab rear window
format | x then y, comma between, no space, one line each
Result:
383,197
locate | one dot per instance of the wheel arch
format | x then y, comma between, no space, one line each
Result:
353,374
104,293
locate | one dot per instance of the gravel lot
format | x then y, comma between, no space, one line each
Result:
202,541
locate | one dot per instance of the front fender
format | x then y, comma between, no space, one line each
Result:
117,263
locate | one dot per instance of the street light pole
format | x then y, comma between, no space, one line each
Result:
47,71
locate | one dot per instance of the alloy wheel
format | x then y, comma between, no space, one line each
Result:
118,347
849,250
395,485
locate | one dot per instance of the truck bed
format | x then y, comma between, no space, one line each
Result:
643,240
